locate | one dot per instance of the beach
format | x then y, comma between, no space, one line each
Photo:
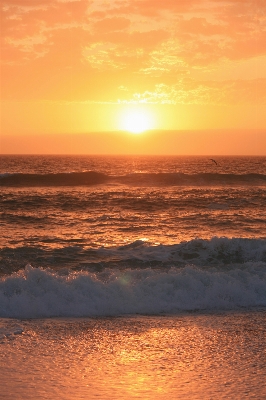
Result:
195,356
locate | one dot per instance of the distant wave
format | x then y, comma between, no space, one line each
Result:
57,179
216,274
147,179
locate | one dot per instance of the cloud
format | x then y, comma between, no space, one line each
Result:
206,31
141,43
189,91
112,24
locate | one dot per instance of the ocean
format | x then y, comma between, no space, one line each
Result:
133,277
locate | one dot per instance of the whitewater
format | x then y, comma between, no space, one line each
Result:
142,279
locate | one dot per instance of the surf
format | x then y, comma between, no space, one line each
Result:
39,293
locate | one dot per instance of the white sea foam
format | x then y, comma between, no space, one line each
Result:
36,293
218,250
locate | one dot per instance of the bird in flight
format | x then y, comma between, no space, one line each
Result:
213,161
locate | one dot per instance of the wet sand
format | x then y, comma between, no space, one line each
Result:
191,356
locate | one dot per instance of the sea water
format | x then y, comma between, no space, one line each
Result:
164,257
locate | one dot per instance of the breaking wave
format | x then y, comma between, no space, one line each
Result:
218,252
220,274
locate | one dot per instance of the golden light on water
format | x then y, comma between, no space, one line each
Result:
171,357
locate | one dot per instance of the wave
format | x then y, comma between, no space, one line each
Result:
148,179
56,179
39,293
216,274
221,252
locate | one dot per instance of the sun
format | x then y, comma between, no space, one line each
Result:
136,120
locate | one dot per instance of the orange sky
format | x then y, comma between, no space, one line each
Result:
70,68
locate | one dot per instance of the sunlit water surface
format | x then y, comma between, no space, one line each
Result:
191,356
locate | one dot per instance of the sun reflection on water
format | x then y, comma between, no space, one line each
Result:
195,357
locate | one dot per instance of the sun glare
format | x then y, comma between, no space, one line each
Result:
136,120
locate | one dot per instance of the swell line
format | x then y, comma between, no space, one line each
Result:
148,179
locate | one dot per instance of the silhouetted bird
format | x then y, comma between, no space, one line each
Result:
213,161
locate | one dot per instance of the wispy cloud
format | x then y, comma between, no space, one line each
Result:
188,91
142,43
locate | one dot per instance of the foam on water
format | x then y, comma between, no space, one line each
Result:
36,293
216,251
219,252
